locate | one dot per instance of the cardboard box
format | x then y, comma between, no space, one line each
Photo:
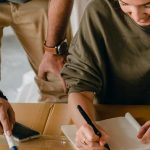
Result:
33,115
58,116
38,116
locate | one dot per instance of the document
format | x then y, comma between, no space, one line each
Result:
122,130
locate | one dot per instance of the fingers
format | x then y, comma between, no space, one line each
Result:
6,116
87,131
90,146
50,63
87,139
105,137
87,145
146,138
44,65
144,133
63,83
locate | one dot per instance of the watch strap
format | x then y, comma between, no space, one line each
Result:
60,49
52,50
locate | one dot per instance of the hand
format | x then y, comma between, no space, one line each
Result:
86,138
144,133
51,63
7,117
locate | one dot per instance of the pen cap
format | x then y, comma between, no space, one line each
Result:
10,142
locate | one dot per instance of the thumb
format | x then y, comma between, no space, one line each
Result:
42,74
104,139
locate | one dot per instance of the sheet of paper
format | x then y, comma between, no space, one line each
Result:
132,120
69,131
123,136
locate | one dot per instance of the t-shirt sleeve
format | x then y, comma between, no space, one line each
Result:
84,68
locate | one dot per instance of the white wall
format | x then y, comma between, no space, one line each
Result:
77,12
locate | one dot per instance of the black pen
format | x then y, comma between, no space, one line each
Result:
88,120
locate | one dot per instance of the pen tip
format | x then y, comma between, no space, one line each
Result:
78,106
107,147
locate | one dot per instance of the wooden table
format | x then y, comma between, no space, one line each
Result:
42,143
140,112
41,116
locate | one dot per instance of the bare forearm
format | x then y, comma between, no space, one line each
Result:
58,17
85,99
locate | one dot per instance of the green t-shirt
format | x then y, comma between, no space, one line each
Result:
110,55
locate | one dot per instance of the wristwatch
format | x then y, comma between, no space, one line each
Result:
60,49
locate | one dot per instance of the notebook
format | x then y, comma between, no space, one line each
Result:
122,131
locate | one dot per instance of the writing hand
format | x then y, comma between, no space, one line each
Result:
87,139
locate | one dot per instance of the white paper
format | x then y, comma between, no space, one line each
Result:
123,136
133,122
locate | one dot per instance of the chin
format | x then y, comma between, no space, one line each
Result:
143,24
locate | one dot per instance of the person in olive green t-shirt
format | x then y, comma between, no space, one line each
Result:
109,59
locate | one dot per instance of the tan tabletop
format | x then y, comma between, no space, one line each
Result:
42,143
45,119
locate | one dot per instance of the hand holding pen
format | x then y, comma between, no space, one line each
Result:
88,135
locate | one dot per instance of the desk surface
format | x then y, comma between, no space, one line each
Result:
42,143
140,112
50,114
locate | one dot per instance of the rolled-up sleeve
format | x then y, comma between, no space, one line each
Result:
83,70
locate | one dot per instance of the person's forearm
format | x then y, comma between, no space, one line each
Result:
85,99
58,17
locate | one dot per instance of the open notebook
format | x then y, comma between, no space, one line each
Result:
122,131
